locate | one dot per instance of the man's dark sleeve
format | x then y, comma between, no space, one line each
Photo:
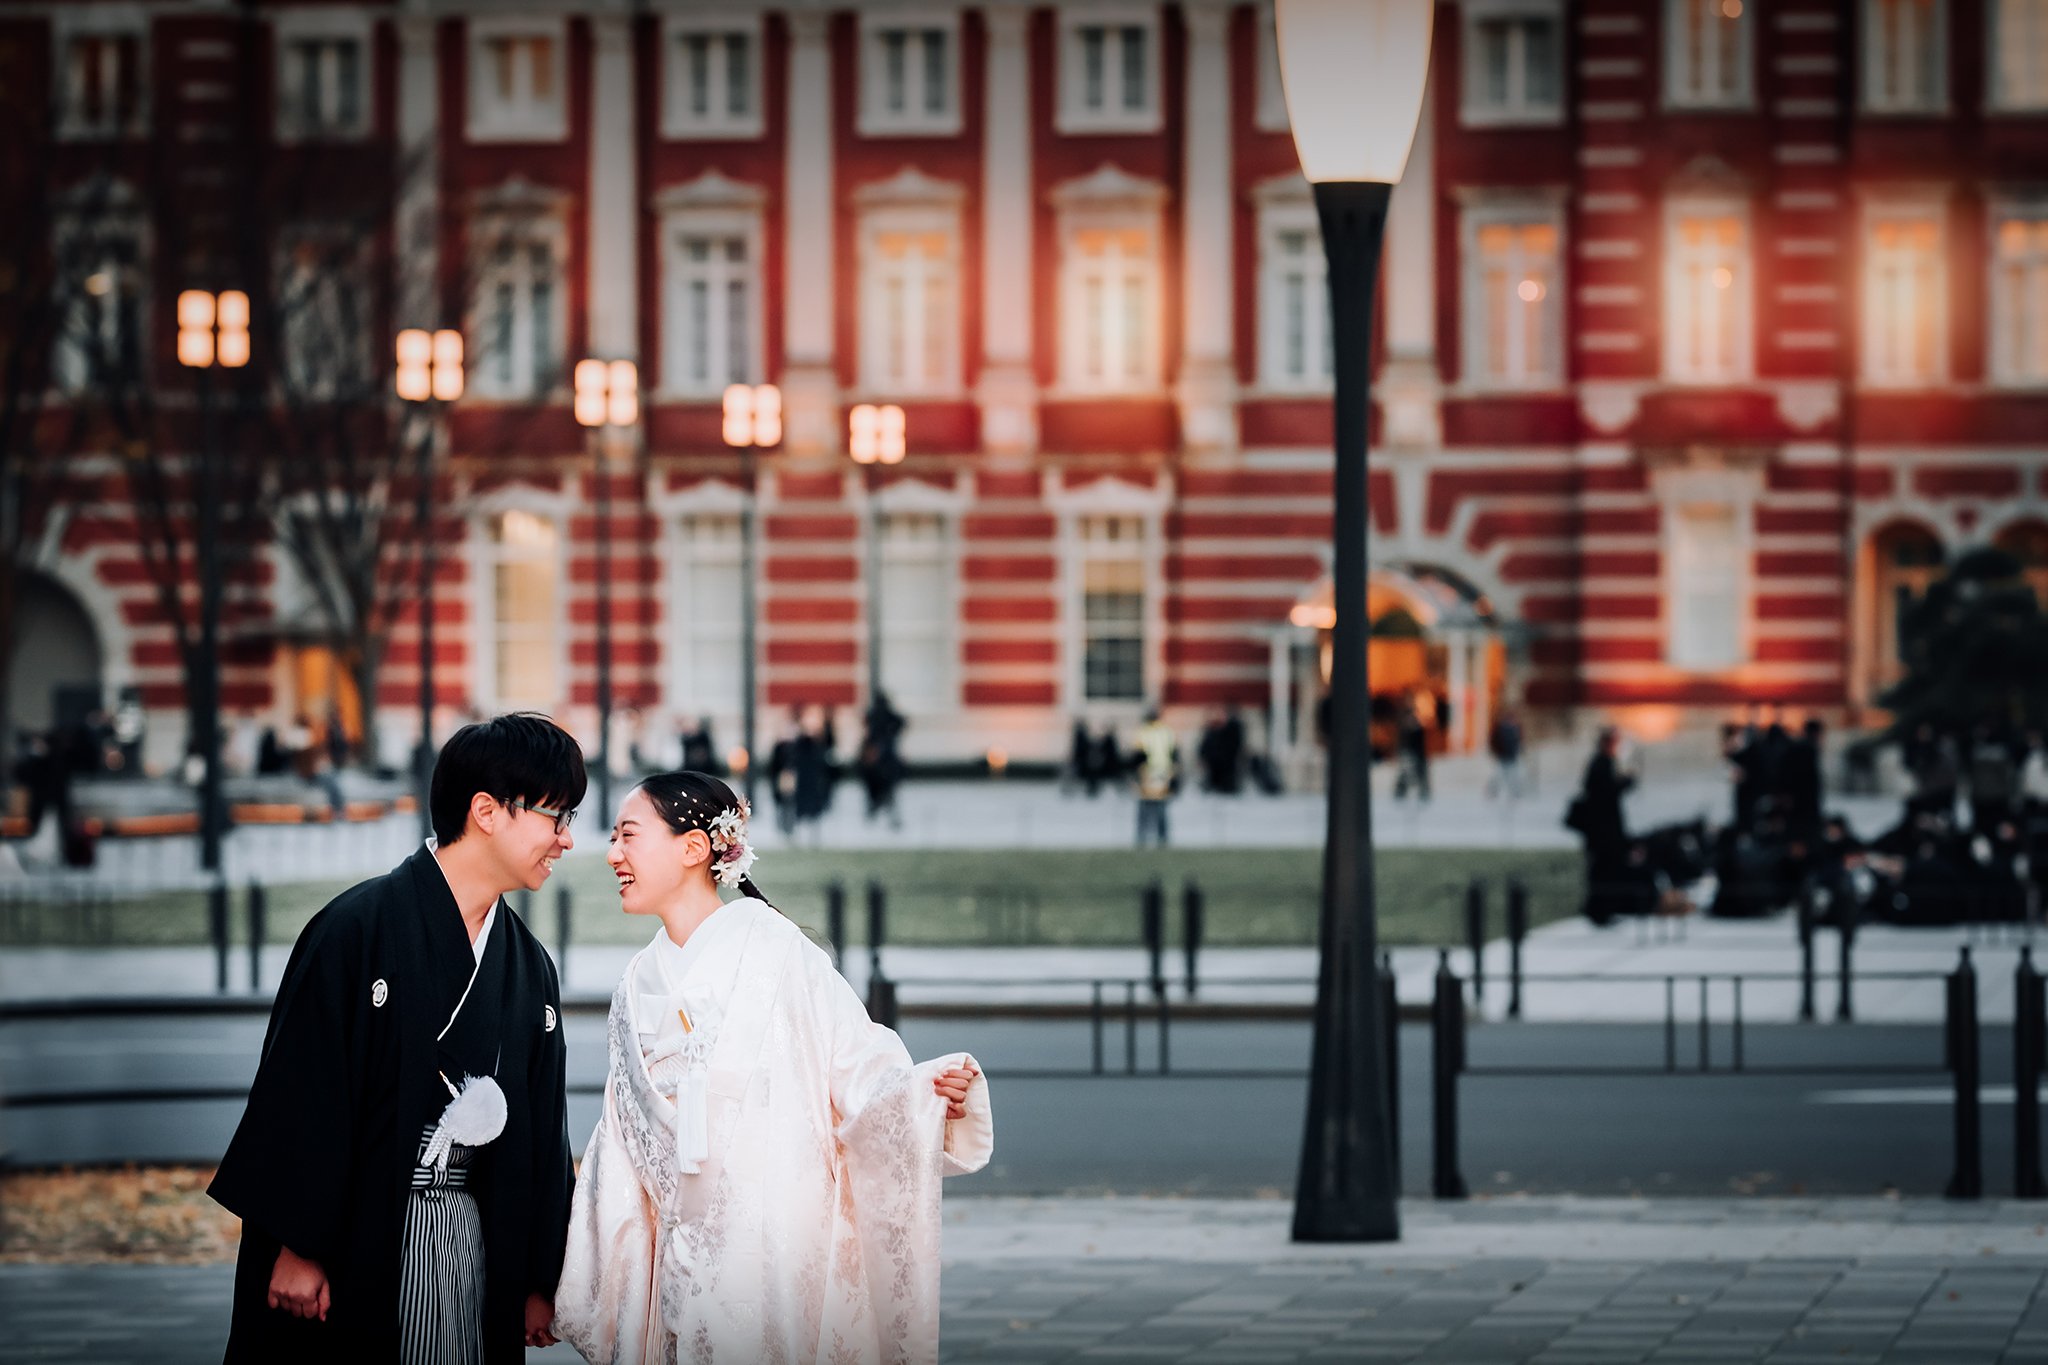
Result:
554,1175
287,1169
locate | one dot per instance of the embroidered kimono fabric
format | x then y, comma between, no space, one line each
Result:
809,1230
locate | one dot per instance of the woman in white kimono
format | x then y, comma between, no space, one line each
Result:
763,1183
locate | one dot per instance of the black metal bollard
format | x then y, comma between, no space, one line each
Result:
1390,1005
2029,1045
258,932
1965,1062
564,911
882,1000
1193,913
878,928
1845,921
835,921
1805,910
1518,931
1475,934
1152,928
1447,1029
217,924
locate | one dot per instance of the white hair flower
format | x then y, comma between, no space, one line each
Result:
732,856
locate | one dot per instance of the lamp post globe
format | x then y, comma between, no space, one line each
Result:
1353,72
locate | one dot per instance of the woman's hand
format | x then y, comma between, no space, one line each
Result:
952,1087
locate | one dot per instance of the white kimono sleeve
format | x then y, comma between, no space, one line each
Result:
605,1303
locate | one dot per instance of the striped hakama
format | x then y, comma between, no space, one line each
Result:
441,1278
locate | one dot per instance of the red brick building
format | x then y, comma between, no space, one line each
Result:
1708,328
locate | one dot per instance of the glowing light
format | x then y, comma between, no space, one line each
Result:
415,364
1723,277
1731,9
752,415
736,758
876,433
1530,290
99,284
998,761
447,365
623,406
590,395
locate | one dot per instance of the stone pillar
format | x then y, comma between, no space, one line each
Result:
1407,387
417,222
614,314
1207,391
1007,389
810,388
1280,699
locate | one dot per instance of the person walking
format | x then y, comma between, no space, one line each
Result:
1411,743
881,759
1158,776
1504,742
1597,815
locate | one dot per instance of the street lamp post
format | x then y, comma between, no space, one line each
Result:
429,375
753,421
213,329
875,436
1353,73
607,403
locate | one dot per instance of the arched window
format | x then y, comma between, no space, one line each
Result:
1904,559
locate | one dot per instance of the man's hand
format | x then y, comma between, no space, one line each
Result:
540,1321
952,1087
298,1286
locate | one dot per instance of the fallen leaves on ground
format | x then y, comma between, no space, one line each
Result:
157,1214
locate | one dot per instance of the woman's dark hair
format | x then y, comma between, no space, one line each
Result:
524,756
691,800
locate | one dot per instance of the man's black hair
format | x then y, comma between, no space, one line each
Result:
523,757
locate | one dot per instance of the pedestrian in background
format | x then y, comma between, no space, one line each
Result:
1158,776
1411,744
700,755
881,759
1221,752
1504,742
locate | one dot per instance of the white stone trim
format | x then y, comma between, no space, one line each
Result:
681,124
871,119
489,121
1070,116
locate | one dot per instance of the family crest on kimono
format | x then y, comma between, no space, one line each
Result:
402,1170
763,1180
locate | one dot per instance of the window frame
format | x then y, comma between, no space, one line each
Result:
1678,208
75,21
1868,62
1142,553
72,373
1996,99
2000,370
1275,217
531,228
873,221
1709,492
1916,207
687,563
742,222
1472,312
489,557
1073,378
946,698
1679,97
1475,114
350,269
1071,116
490,121
295,26
871,117
678,122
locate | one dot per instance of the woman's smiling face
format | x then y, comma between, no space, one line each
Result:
651,861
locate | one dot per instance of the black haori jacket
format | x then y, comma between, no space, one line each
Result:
323,1159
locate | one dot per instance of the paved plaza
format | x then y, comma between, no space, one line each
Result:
1552,1281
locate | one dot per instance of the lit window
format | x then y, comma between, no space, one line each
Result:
1294,301
1903,51
1708,53
516,83
1514,62
1707,298
1707,586
711,332
910,321
1111,296
2019,298
1902,298
518,349
2019,54
1109,73
523,630
1514,310
103,76
908,79
1112,608
713,86
917,611
707,607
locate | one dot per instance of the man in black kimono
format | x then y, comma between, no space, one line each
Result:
361,1240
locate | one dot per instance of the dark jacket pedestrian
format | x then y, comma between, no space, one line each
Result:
881,759
1221,754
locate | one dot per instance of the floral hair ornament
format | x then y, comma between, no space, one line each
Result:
732,857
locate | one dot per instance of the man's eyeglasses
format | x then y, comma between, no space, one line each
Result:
562,818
